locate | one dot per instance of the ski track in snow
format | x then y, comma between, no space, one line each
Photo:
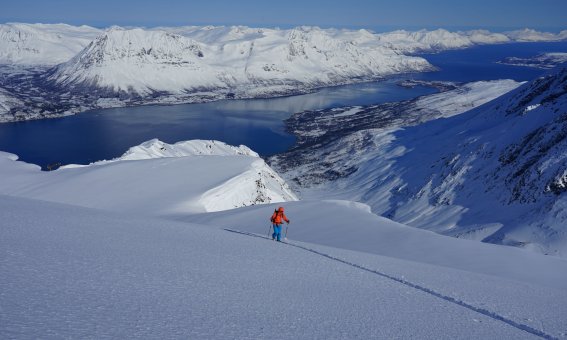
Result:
461,303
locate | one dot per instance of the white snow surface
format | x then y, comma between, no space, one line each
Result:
50,44
155,148
144,61
129,248
251,62
43,44
72,272
466,97
154,178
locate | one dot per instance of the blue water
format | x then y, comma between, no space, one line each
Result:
258,123
479,62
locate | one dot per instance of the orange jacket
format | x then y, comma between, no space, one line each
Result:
278,216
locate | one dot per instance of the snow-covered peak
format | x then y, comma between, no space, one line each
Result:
530,35
138,45
45,44
134,60
232,59
486,37
157,149
155,179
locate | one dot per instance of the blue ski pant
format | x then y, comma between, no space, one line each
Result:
277,232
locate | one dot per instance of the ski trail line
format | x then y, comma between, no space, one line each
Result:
482,311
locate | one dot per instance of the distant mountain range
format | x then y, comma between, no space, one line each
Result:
53,70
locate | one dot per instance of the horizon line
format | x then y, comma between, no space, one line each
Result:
376,28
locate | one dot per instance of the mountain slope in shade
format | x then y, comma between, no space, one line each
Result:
495,173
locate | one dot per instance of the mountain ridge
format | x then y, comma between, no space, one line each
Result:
449,174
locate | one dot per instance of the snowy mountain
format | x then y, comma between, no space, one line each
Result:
50,44
438,40
248,62
144,62
44,44
194,176
530,35
495,173
194,64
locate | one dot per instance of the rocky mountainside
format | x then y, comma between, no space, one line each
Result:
496,173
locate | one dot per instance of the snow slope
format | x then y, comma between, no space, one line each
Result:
152,260
154,178
495,173
45,44
72,272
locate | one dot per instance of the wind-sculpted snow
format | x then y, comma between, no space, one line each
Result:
154,179
495,173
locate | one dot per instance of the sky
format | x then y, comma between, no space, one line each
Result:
411,14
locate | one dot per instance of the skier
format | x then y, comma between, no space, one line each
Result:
277,219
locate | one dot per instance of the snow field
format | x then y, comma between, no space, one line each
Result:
76,272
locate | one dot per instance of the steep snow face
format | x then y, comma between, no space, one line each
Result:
155,178
42,43
496,173
144,62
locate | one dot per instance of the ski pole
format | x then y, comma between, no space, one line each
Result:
269,230
285,236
